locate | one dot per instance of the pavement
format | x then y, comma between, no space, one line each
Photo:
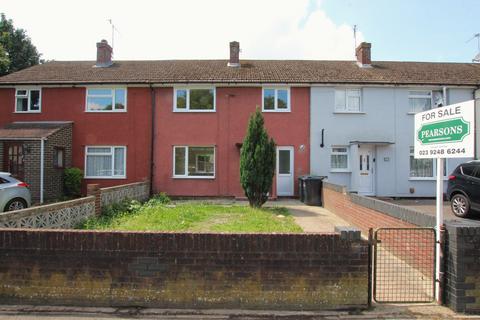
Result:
311,218
386,311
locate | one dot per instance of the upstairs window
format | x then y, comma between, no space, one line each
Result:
419,101
27,100
194,100
348,100
106,99
276,100
339,159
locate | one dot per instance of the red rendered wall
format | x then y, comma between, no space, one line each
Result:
224,128
132,128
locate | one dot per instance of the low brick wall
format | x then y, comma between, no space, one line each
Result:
138,191
64,214
462,266
353,209
179,270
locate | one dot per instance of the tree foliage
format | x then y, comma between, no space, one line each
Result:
257,161
16,49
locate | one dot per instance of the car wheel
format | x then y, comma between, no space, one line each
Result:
16,204
460,205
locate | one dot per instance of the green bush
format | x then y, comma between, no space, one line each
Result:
72,181
257,161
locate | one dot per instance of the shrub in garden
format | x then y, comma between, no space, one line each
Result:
72,181
257,161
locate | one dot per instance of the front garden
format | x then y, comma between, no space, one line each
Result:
161,214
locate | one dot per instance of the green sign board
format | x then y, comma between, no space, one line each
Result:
452,130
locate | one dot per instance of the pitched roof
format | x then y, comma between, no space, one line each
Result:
31,130
251,71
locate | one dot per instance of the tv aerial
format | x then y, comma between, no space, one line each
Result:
477,57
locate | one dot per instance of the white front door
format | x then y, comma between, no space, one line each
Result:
285,171
366,170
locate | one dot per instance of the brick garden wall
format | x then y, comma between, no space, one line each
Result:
176,270
139,191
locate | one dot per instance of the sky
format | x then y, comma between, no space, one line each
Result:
404,30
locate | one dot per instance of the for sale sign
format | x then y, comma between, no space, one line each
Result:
445,132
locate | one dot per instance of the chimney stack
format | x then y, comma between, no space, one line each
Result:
104,54
363,54
234,54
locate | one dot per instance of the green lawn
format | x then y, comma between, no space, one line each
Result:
193,217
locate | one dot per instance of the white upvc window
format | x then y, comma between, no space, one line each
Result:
348,100
105,162
195,99
339,159
276,99
424,169
194,162
28,100
419,100
106,100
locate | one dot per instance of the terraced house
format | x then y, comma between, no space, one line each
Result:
181,123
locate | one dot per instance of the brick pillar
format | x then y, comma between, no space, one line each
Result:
94,190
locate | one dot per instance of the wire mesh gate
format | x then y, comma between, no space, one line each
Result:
404,265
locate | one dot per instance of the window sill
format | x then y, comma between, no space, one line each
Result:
103,178
277,111
340,171
426,179
349,112
194,111
411,113
195,178
106,111
27,111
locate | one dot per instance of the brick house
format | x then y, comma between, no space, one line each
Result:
181,123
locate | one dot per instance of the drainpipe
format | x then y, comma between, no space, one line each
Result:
152,141
42,167
476,97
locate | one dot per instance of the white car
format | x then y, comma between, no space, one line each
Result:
14,194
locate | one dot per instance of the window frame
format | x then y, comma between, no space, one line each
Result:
347,153
275,103
345,108
434,168
410,111
29,89
112,153
113,99
186,176
55,163
187,101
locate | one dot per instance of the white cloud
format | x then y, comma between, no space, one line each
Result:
183,29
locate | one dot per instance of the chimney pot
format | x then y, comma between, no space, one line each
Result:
104,54
363,53
234,54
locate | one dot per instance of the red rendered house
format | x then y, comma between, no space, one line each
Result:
178,123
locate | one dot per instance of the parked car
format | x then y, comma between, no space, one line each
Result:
14,194
464,189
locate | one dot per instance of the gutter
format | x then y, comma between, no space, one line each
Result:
152,140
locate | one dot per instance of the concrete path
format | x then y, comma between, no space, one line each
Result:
311,218
76,313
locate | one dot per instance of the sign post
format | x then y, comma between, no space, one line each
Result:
440,133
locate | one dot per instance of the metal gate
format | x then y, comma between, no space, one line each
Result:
404,265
